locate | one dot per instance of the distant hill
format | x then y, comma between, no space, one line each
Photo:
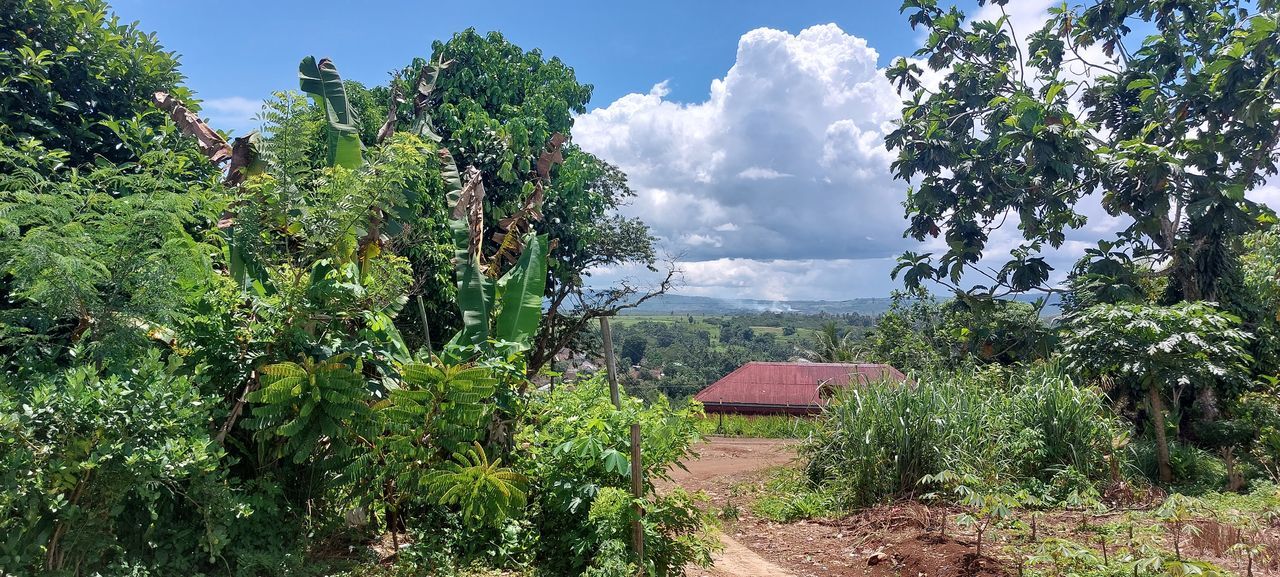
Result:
693,305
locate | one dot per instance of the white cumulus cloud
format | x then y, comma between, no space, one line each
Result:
787,147
233,113
777,185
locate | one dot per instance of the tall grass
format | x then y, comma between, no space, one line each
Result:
758,426
1035,428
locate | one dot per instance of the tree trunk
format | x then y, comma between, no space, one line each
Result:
1162,442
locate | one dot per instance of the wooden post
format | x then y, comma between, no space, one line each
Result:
426,329
637,470
610,365
637,491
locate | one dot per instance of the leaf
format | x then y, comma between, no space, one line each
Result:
551,156
522,297
210,143
475,300
322,82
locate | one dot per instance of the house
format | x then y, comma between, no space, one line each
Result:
787,388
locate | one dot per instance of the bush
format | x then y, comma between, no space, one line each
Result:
1197,471
877,441
576,457
98,469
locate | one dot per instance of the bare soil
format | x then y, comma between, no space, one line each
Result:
882,542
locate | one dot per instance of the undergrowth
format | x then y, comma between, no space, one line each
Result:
758,426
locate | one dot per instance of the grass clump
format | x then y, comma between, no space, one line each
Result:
788,495
1035,429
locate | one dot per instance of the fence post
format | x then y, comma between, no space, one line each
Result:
610,365
637,471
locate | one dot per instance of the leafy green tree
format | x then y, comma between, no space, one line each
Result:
66,67
109,256
96,468
1172,353
830,346
1258,300
497,108
1171,131
633,348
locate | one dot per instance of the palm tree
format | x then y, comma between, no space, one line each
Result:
831,347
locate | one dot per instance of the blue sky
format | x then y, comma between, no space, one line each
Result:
247,49
751,132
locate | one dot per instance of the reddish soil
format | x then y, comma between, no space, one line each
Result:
882,542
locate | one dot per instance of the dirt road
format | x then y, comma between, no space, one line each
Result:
723,462
878,542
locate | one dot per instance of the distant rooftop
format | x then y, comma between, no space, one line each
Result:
770,387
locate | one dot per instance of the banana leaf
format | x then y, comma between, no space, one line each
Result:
322,82
475,301
522,289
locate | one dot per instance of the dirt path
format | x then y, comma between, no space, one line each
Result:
880,542
723,462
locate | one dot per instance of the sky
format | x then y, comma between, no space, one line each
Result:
752,132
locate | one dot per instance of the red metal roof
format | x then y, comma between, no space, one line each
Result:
788,385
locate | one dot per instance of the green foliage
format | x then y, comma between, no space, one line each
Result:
308,404
1258,301
832,347
495,107
676,533
520,294
107,256
984,508
98,469
789,495
758,426
919,333
67,66
1037,430
322,82
1173,125
681,358
1168,347
485,492
1179,351
577,445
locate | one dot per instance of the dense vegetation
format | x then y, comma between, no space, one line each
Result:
314,349
269,356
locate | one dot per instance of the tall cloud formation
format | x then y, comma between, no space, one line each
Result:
778,185
783,161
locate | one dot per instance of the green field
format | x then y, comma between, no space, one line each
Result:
710,323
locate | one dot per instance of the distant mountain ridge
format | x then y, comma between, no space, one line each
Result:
696,305
871,306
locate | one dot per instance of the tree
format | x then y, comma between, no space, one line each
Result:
64,70
105,258
832,347
1161,352
633,348
1171,131
497,107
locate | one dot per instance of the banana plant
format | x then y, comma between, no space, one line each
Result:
321,80
510,308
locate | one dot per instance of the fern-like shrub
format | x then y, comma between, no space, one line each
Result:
309,405
484,491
